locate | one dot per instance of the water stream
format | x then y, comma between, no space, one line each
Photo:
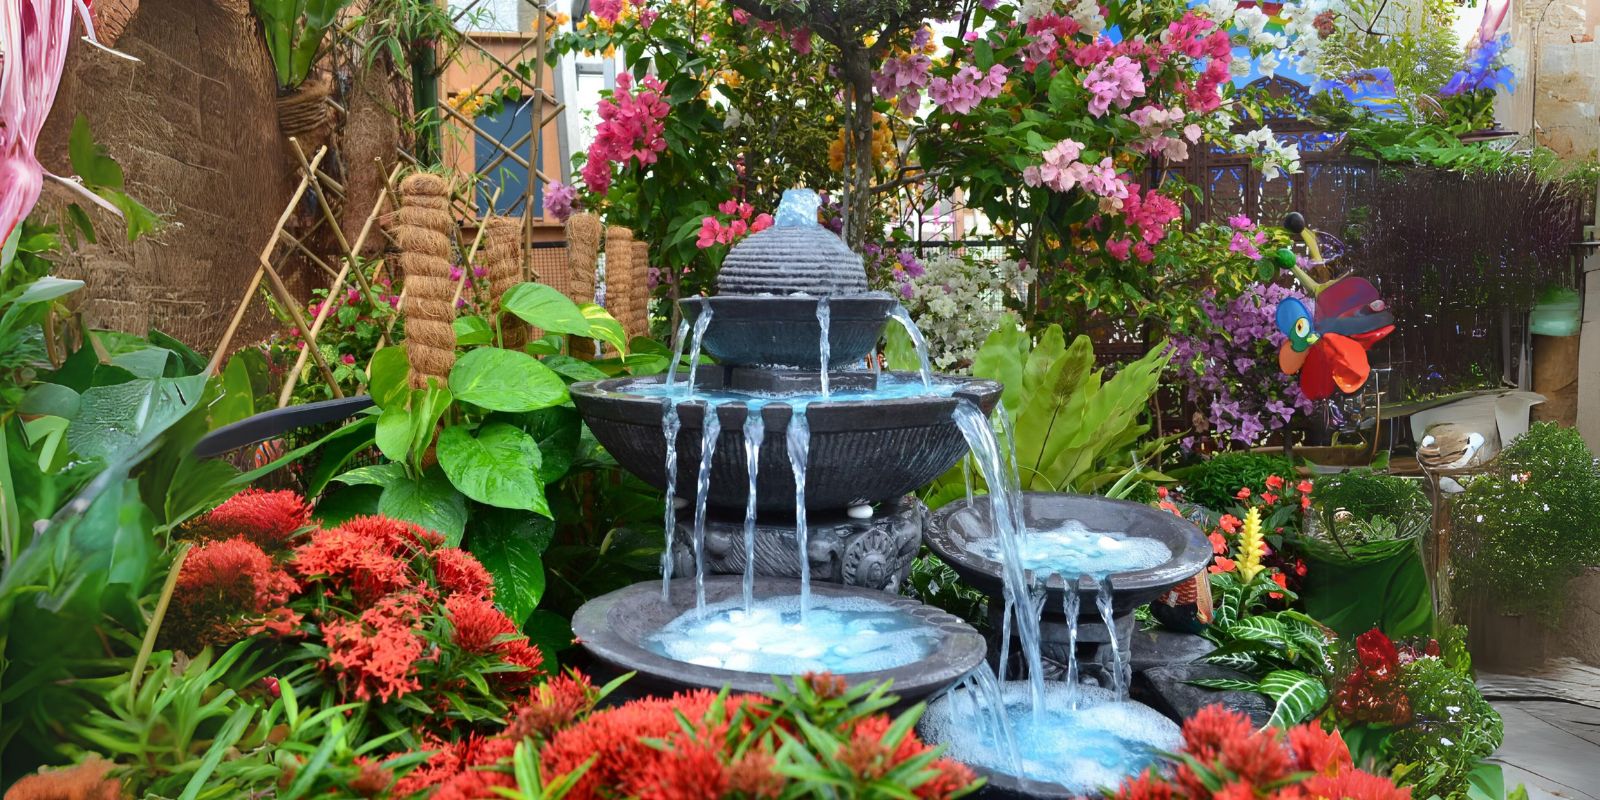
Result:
669,428
700,324
902,316
678,344
824,345
710,429
1102,600
799,444
754,431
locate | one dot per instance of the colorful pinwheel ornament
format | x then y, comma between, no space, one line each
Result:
1328,347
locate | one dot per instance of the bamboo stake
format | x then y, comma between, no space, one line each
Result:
327,214
255,281
292,380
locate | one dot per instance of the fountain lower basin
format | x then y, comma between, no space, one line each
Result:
866,445
961,534
623,630
1084,741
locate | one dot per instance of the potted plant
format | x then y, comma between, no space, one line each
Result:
294,31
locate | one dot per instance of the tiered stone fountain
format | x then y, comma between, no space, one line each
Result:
788,477
788,480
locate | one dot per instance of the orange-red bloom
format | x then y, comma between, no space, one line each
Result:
270,519
458,572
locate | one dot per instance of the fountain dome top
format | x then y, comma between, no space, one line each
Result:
794,256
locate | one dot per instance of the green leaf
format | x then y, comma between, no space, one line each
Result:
472,331
512,552
394,433
47,288
429,501
1259,629
575,369
499,466
114,421
506,380
1226,684
49,398
238,398
545,307
388,376
1299,696
604,327
374,475
90,161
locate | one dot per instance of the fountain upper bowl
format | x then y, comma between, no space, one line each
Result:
783,331
614,628
862,450
955,530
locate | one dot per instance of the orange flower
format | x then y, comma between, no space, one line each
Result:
1243,493
458,572
1223,565
1269,498
1274,482
1303,487
1230,523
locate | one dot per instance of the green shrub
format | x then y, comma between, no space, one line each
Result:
1528,526
1214,483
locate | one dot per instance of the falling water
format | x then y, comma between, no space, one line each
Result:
754,431
669,429
1119,682
1008,432
710,430
986,693
1069,607
677,351
966,477
903,316
981,439
1005,638
824,316
700,324
799,443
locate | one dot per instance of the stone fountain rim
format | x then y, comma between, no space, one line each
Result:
983,393
984,573
960,650
851,305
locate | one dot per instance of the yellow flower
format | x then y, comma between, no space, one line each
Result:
611,51
1251,546
468,104
869,40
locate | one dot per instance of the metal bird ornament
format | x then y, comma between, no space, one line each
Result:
1328,347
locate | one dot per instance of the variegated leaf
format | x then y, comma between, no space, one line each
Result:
1298,696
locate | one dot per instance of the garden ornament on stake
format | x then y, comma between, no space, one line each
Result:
1328,347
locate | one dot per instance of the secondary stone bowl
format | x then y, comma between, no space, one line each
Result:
954,530
861,450
613,629
771,330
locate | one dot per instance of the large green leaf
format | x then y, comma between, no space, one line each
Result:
115,421
545,307
1391,595
1258,629
506,380
429,501
559,433
604,327
497,465
394,432
511,545
388,376
1299,696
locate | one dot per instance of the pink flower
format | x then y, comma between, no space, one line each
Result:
630,129
1241,222
902,79
961,92
648,17
800,40
607,10
348,360
1061,170
560,200
1114,83
456,273
1102,180
741,16
1118,248
479,272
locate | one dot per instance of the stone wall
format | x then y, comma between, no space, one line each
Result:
1557,61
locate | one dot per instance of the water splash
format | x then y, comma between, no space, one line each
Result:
842,635
669,429
700,324
902,316
678,343
985,448
986,693
1119,680
710,429
825,346
754,431
799,444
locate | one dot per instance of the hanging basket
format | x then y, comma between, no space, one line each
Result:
305,112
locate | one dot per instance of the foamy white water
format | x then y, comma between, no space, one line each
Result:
840,635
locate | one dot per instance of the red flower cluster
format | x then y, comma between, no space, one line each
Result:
1374,692
1230,760
269,519
383,597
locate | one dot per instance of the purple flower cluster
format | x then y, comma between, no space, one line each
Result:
896,267
1484,69
1231,374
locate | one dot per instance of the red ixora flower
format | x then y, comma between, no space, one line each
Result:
478,624
353,556
553,706
375,655
458,572
269,519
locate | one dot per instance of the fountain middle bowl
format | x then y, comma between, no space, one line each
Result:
862,449
614,628
782,330
955,531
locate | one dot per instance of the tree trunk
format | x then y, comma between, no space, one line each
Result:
857,73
